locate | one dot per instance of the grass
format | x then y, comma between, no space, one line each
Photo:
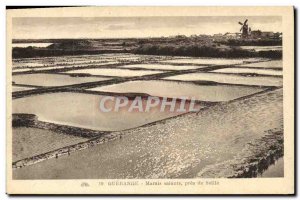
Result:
200,46
203,51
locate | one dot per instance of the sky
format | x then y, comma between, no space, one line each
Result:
135,27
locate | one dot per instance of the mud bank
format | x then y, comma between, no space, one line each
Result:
274,170
31,120
65,150
254,159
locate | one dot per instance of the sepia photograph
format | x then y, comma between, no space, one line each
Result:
145,100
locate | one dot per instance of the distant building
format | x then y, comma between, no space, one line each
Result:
232,35
180,36
267,34
255,34
218,35
258,34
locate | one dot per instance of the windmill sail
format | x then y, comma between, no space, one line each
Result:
244,29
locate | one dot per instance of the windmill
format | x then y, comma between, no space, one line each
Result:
244,29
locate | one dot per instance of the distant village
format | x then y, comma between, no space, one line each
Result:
256,34
244,33
193,45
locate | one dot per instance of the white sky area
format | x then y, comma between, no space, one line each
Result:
136,27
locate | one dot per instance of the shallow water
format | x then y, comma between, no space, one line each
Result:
262,48
248,71
27,142
21,70
61,66
84,59
27,64
275,170
228,78
179,148
163,67
19,88
113,72
267,64
24,45
53,79
177,90
82,110
212,61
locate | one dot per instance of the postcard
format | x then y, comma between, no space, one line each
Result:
150,100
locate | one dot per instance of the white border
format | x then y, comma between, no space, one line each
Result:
3,3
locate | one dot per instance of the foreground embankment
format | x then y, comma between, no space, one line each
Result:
239,138
254,159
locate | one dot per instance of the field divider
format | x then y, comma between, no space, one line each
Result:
20,94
